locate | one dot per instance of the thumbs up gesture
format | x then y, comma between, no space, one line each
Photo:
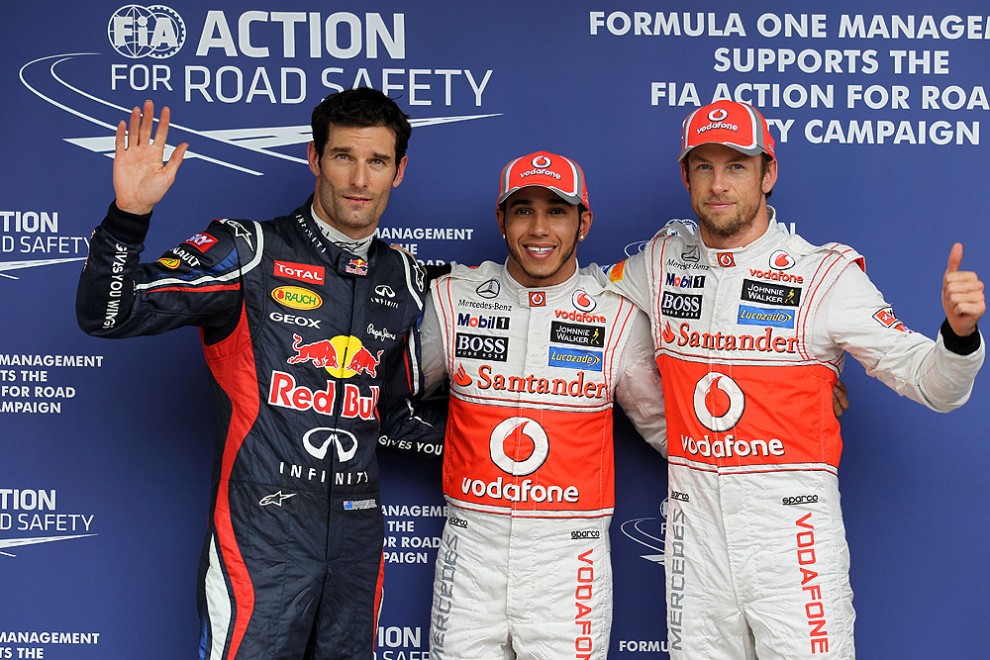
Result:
962,295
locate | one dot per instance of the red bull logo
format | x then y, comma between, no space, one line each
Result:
342,356
322,353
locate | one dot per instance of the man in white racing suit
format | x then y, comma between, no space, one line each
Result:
537,351
750,326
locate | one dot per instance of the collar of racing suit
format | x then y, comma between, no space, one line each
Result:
772,238
563,292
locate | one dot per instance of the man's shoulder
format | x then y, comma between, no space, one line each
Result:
801,248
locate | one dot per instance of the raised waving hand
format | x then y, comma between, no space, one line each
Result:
140,179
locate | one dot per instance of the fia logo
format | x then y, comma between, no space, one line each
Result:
154,31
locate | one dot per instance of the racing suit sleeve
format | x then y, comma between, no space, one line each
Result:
431,342
938,374
195,283
637,386
418,425
630,279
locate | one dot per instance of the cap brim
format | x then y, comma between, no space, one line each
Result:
567,197
749,151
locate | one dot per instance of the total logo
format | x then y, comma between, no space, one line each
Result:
718,402
342,356
154,31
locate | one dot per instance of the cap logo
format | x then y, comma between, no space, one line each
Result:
541,161
718,114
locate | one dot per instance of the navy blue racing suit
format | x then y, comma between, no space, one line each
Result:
305,343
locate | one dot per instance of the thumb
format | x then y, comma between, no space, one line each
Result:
955,258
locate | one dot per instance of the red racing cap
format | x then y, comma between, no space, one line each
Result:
546,170
731,123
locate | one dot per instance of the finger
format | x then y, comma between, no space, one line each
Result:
162,133
118,142
172,166
955,258
132,129
147,121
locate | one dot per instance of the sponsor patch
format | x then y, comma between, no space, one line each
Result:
776,318
480,347
357,267
482,322
771,294
571,358
685,281
357,505
726,259
581,335
582,301
681,305
886,318
615,272
537,299
489,289
296,297
201,241
301,272
169,262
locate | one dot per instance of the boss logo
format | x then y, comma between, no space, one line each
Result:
681,305
479,347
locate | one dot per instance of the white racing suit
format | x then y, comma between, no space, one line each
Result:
749,343
523,570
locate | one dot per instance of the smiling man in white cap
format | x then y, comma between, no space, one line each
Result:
757,564
536,350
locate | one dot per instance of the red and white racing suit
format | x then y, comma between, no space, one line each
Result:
523,570
749,343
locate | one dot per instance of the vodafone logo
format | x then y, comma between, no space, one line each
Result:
718,402
582,301
519,446
718,114
781,260
541,162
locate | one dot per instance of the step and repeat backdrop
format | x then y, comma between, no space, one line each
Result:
882,121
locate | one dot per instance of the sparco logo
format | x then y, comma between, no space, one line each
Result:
154,31
586,534
681,305
799,499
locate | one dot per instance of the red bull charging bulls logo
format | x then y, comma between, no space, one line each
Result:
342,356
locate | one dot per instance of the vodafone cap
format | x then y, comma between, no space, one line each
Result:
546,170
734,124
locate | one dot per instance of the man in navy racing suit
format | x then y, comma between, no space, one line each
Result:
308,328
